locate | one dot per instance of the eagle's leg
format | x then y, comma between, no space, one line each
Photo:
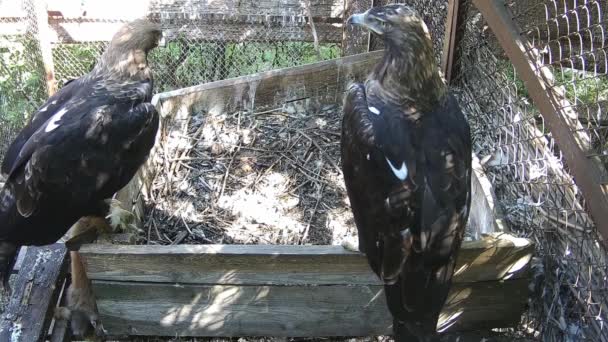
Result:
121,219
81,308
87,230
8,255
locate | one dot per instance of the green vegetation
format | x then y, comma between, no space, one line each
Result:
22,86
581,87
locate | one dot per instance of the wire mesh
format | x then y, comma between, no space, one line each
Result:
206,42
531,179
535,190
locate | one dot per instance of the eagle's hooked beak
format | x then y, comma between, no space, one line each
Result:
363,19
357,19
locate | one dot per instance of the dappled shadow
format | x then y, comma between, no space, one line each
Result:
269,177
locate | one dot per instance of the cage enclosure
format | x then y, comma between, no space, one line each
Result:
242,210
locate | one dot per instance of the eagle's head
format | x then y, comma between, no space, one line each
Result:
395,23
127,54
408,70
139,34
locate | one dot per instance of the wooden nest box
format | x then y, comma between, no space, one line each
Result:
284,290
266,290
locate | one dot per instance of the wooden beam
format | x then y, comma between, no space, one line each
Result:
323,81
239,290
44,41
492,258
286,311
34,294
449,40
485,217
587,173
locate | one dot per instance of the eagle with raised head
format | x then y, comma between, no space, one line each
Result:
406,153
84,144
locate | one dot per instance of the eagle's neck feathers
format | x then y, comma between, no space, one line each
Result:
408,74
123,65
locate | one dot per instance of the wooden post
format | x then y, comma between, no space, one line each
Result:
41,25
587,172
449,40
355,40
34,294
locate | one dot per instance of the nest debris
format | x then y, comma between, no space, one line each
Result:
270,177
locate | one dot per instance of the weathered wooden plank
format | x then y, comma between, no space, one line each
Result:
560,119
485,217
34,294
488,259
294,311
324,81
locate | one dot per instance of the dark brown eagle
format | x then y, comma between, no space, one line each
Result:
406,153
83,145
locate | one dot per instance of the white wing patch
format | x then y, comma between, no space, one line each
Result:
43,109
400,173
53,123
374,110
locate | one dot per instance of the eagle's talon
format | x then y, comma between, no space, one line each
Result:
351,244
121,219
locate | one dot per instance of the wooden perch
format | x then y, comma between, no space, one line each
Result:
266,290
34,294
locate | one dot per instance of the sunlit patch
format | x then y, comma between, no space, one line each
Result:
519,264
461,270
447,321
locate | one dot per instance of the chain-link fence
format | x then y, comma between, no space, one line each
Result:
528,168
22,85
206,42
532,179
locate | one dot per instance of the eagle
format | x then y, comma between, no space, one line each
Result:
82,145
406,159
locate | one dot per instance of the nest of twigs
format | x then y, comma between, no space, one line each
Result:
269,177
